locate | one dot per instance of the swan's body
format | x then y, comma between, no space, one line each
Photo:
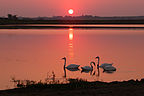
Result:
73,69
87,71
88,68
105,64
71,66
109,68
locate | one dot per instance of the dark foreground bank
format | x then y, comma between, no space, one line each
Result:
81,88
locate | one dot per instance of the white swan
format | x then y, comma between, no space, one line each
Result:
105,66
71,66
88,68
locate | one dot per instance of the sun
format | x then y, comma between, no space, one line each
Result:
70,11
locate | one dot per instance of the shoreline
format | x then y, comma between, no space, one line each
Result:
46,24
66,27
10,21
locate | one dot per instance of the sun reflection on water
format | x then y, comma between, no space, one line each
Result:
70,34
70,45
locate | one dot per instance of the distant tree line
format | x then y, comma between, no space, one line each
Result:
12,17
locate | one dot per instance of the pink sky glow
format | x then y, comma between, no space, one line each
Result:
33,8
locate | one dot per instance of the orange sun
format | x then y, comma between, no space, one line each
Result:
70,11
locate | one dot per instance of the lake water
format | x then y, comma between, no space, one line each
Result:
34,53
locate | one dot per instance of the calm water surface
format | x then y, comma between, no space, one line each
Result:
31,54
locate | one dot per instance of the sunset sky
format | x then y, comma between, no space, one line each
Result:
33,8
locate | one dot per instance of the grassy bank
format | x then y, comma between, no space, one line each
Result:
77,87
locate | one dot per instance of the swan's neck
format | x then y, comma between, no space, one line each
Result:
65,63
91,65
98,63
64,72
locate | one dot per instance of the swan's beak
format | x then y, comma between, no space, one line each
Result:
97,57
63,58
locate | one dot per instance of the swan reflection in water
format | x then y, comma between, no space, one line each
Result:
91,72
72,69
108,72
